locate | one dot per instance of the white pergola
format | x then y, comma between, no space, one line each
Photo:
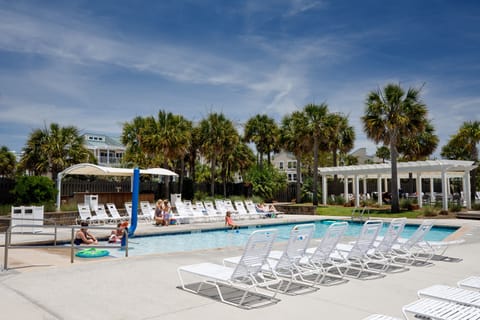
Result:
430,169
89,169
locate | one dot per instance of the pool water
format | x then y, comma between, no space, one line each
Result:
234,238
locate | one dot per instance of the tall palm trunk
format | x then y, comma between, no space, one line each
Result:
315,170
299,184
212,176
394,181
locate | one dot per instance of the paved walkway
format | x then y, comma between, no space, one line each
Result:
44,285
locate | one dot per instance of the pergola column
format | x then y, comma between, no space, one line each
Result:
356,191
324,190
345,188
432,192
365,187
385,184
419,190
468,191
379,189
444,190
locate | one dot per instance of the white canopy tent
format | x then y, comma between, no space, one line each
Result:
90,169
430,169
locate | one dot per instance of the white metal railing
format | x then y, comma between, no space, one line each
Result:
8,239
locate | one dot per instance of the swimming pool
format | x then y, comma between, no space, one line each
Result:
211,239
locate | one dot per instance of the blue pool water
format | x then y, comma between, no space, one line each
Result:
222,238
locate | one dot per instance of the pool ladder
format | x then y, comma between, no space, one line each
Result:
359,213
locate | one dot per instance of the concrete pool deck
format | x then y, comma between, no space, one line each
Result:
44,284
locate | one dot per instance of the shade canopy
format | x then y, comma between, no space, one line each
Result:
90,169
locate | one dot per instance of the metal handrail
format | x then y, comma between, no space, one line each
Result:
361,213
8,237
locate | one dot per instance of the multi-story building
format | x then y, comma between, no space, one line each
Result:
286,162
107,150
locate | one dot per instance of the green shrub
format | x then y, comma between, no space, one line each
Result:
406,204
34,190
454,207
429,211
476,206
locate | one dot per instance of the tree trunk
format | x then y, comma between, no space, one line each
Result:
212,174
394,181
315,171
167,181
299,184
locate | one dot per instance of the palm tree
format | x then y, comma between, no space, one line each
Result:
7,162
383,153
167,137
316,124
390,114
463,146
51,150
216,132
419,146
263,132
133,138
294,138
340,135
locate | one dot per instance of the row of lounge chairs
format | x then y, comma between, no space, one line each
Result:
215,211
300,268
185,211
99,214
443,302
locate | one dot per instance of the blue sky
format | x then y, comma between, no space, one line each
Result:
97,64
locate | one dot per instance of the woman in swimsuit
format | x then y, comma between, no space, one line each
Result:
83,236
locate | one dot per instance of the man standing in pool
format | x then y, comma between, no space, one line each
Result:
229,221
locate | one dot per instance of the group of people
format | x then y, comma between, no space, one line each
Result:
83,236
163,216
163,213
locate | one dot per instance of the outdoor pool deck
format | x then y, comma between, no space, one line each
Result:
45,285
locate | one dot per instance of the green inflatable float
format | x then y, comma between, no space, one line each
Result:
92,253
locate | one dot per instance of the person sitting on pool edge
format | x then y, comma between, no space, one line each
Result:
229,221
117,234
83,236
159,213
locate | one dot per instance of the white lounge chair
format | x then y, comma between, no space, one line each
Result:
451,294
440,310
320,257
101,215
472,282
355,257
184,214
285,265
84,212
382,255
252,209
246,277
410,251
212,213
112,209
242,211
146,211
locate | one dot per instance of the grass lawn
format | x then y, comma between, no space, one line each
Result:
374,212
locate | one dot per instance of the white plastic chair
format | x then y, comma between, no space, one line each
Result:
284,264
355,257
451,294
245,277
440,310
472,282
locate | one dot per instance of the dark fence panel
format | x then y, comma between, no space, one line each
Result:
6,186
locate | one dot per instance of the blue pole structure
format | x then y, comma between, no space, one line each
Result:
135,191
